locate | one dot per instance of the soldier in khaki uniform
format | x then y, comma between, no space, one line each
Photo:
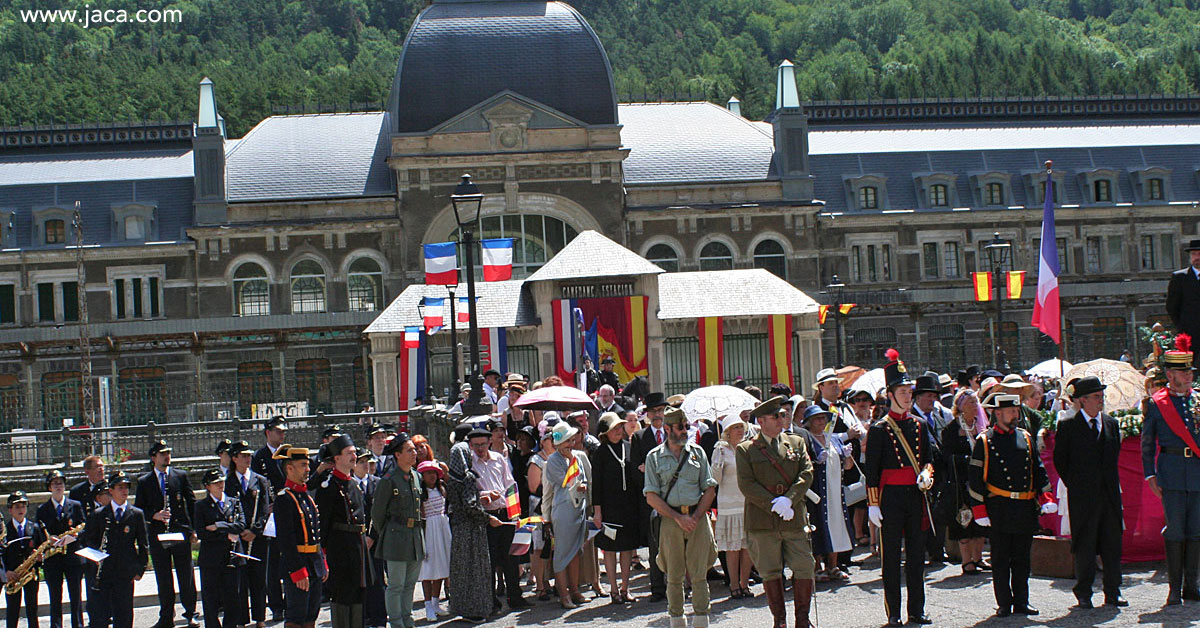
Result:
680,487
774,474
399,529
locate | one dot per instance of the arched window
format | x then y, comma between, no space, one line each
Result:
62,398
1103,191
1010,341
256,384
308,287
664,256
312,383
716,256
946,347
251,292
141,395
769,254
365,285
536,239
1109,337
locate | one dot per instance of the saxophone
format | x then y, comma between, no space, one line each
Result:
27,571
62,548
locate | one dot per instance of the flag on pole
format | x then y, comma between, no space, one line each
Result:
412,337
1046,307
441,266
822,312
572,472
497,259
512,502
983,285
845,308
1016,281
464,310
433,312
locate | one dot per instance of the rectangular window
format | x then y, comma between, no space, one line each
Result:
1062,254
886,251
136,283
70,297
1103,189
856,263
1114,256
872,264
1154,190
56,231
119,297
993,194
868,197
45,302
1042,196
137,297
1167,246
154,305
930,260
950,253
1093,255
1146,245
938,195
8,304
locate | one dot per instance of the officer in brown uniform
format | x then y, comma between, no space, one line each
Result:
774,474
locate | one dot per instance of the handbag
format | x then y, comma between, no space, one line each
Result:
856,492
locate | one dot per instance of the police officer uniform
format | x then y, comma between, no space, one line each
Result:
774,475
1006,484
895,499
219,522
56,519
399,532
344,535
690,494
1170,455
119,531
298,537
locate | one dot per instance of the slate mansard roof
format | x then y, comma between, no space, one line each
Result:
458,54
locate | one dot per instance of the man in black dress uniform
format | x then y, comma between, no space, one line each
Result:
254,491
344,535
85,492
1006,483
1183,296
1086,448
219,523
58,515
167,495
24,536
298,537
119,530
263,463
899,469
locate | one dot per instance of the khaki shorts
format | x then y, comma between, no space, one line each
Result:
771,550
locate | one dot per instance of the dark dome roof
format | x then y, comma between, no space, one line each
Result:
458,54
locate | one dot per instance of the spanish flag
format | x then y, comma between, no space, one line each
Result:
779,339
512,502
572,472
983,286
712,351
1016,281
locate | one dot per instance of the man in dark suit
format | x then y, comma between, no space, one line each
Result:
1087,445
1183,296
275,431
58,515
85,493
254,491
167,495
219,522
374,606
645,440
118,529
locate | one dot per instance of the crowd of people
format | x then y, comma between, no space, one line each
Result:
536,507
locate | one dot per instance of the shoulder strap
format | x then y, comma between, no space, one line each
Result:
908,452
683,458
1171,417
774,463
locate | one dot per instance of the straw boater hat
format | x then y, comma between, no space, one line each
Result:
824,375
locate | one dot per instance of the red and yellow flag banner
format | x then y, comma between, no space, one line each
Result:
983,285
1016,281
821,314
572,472
843,309
512,502
712,351
779,337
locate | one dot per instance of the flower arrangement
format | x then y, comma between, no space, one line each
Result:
123,455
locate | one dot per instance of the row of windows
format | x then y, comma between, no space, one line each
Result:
768,254
993,193
252,289
134,223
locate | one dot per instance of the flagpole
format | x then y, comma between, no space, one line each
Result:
1062,344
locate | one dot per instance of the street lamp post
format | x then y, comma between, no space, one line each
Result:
467,203
454,362
428,361
998,252
837,291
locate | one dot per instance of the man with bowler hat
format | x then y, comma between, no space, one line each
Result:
645,440
1183,295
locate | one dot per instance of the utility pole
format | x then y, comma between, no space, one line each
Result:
85,337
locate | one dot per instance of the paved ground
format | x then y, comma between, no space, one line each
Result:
952,600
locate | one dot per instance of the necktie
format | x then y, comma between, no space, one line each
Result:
20,530
245,487
120,511
163,478
60,511
1096,427
658,436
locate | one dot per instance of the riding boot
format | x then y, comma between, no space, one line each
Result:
803,592
1175,557
774,589
1191,565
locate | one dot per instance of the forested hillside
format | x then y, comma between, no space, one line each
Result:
271,53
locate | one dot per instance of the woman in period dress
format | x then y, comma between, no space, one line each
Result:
830,456
535,471
616,496
470,584
566,510
730,532
958,437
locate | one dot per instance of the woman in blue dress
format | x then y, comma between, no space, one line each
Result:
827,511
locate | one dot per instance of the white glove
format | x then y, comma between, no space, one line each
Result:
1049,508
875,515
780,505
925,480
984,521
788,514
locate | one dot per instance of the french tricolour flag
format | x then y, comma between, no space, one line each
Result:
463,314
433,312
497,259
441,267
1046,309
412,337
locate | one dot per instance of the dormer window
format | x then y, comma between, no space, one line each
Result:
1102,191
868,197
134,222
936,190
994,194
1099,185
1151,184
992,189
55,231
938,196
1154,189
866,192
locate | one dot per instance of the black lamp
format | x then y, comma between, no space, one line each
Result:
999,252
468,202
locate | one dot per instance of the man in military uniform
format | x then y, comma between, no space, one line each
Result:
680,487
219,522
1007,482
1171,462
254,491
344,534
298,537
119,530
899,469
774,474
607,375
399,529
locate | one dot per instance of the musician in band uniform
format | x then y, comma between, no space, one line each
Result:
219,523
24,537
118,529
58,515
254,491
166,494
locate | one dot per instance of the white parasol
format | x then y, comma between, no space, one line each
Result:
1050,368
871,381
714,402
1124,386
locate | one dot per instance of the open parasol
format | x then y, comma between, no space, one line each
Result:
560,398
1125,387
871,381
714,402
1050,368
847,375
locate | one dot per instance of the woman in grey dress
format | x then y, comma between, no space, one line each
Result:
566,510
470,585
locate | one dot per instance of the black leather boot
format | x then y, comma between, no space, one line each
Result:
1175,556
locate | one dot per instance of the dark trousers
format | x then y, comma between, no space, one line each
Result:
658,581
114,603
57,570
256,582
223,591
93,593
903,509
275,578
178,556
13,607
500,541
375,605
302,606
1182,512
1100,536
1010,568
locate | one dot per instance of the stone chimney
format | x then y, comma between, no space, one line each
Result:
208,160
790,125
